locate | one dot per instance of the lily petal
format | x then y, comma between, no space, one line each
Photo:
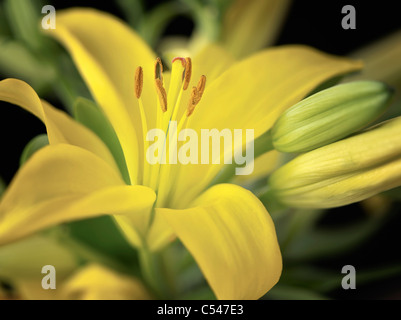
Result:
22,260
63,183
264,165
107,52
232,237
211,61
85,285
252,25
267,83
61,128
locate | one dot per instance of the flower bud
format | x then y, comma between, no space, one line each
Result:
329,115
343,172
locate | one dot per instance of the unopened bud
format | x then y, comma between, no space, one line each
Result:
330,115
343,172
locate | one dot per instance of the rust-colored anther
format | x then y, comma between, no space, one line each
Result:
188,72
138,82
201,85
193,101
161,92
159,69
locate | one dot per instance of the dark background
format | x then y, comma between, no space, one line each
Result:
312,22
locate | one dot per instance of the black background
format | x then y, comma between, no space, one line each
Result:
311,22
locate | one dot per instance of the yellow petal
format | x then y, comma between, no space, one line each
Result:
263,166
252,25
24,259
211,61
232,237
95,282
251,95
107,53
61,128
64,183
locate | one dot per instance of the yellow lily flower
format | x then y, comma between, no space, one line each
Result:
226,228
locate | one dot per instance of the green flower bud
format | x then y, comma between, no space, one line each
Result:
329,115
343,172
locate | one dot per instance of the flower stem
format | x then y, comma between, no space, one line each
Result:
150,265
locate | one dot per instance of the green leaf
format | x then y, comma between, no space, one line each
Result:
24,20
17,61
312,278
34,145
132,10
326,280
317,243
87,113
153,24
4,29
103,235
286,292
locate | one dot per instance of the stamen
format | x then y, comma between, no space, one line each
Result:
159,69
188,73
201,85
196,95
138,82
193,101
138,92
161,92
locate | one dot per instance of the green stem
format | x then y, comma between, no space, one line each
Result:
271,203
154,23
152,269
207,20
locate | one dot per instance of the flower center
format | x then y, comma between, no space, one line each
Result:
157,176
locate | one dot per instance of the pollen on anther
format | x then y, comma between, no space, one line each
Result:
193,101
138,82
188,72
159,69
161,92
201,85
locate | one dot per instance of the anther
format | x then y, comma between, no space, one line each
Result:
161,92
201,85
159,69
193,101
138,82
188,73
